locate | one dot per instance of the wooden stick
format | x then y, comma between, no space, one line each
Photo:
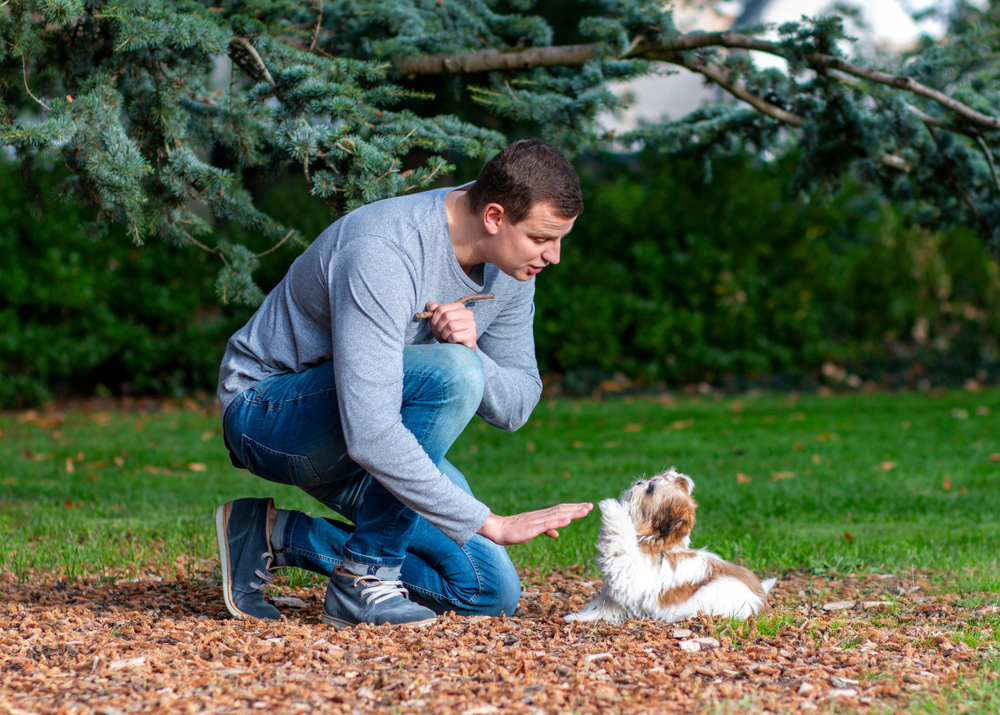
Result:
476,296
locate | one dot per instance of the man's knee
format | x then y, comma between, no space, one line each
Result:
463,370
499,587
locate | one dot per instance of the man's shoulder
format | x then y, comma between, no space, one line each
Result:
400,218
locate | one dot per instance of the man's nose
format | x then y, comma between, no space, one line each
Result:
551,253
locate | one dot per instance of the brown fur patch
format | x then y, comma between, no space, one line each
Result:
716,570
679,594
724,568
666,521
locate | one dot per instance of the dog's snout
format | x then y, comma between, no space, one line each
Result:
651,488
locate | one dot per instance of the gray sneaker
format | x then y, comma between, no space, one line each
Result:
353,598
241,528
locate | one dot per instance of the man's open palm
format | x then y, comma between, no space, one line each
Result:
519,528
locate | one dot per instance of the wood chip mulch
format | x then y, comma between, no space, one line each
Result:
865,644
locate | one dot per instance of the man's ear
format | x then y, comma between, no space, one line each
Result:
493,215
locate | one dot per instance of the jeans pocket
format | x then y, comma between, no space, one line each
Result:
275,466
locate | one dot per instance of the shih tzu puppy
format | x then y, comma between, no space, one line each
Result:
649,569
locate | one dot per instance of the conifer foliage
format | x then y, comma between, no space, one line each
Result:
119,92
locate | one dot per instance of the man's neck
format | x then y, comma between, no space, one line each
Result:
466,239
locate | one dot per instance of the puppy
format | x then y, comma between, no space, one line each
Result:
649,569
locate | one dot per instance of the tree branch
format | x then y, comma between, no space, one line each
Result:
245,44
491,60
716,74
989,160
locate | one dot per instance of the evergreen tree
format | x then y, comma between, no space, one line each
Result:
119,92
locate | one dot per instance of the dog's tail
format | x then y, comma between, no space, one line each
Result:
769,584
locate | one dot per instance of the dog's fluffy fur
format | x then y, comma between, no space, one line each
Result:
649,569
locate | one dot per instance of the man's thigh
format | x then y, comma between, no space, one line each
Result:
287,429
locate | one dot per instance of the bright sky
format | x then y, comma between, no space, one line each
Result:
890,23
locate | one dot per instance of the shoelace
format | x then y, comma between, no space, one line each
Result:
378,590
266,575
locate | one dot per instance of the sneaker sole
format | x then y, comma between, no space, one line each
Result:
220,535
340,623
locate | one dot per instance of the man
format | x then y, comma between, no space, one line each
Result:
336,387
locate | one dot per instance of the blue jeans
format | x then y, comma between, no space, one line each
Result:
287,429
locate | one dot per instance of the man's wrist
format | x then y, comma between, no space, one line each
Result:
492,527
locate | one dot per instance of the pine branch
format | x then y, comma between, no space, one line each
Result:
245,44
491,60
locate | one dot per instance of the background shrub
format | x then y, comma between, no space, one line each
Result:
666,277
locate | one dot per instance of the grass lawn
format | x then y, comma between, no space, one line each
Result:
861,482
825,492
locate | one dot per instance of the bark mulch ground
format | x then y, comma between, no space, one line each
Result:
865,644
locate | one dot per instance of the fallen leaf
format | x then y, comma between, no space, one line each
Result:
577,444
610,445
995,457
530,446
119,461
798,416
947,482
824,436
69,465
816,459
696,645
982,410
839,682
842,693
68,503
633,428
736,406
838,606
797,446
775,476
681,424
127,663
885,466
742,478
959,414
482,710
207,436
197,467
848,536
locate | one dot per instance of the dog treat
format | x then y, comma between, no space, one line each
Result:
476,296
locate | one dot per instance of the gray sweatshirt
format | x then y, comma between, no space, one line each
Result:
351,298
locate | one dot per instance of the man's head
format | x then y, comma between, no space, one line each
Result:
527,172
527,198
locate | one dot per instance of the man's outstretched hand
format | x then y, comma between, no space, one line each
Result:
517,529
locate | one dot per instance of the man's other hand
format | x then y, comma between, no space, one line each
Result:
517,529
453,323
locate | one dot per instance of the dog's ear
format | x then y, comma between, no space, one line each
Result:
684,482
676,522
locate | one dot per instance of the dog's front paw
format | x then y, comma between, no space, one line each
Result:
591,612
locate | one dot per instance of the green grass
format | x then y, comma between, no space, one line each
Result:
843,508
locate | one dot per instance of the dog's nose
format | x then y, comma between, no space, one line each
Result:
652,487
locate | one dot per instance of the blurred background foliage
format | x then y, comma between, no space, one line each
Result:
669,278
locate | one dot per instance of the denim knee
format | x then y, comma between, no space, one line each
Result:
499,585
461,374
502,595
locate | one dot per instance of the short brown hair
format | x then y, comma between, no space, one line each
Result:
526,172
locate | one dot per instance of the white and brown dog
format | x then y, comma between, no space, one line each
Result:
649,569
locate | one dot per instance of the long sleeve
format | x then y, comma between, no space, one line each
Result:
372,299
507,349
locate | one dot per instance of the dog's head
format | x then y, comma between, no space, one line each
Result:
662,510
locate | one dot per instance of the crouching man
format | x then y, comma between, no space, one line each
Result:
336,387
